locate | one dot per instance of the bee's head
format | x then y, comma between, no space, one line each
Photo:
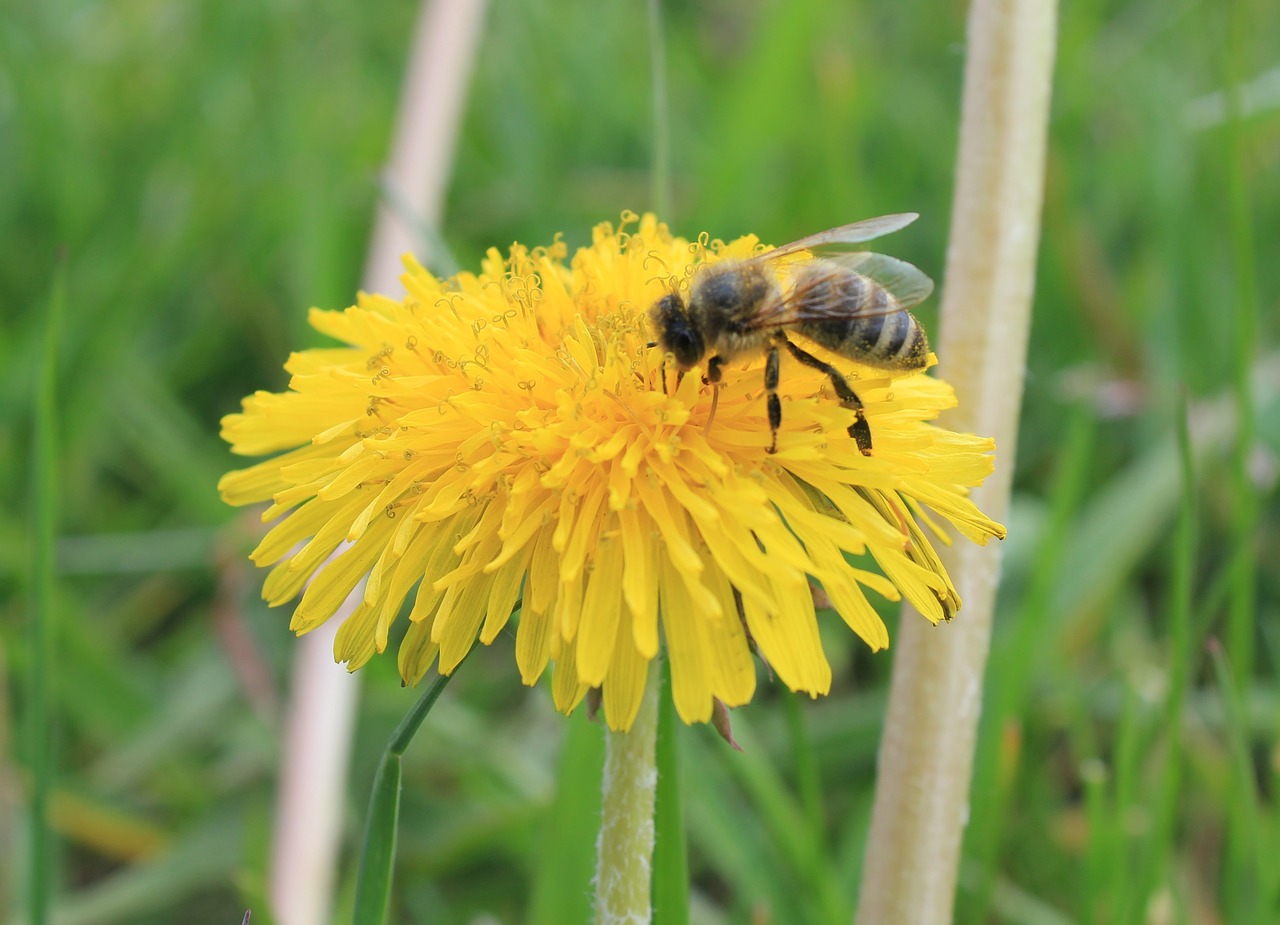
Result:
676,332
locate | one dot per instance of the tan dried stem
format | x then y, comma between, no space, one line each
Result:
926,756
321,709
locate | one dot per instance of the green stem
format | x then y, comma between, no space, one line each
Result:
624,864
377,853
671,852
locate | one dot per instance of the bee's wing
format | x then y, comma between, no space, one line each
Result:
846,234
905,282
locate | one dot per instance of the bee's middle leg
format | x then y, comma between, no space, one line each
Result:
859,430
771,367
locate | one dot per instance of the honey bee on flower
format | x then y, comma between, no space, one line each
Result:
506,445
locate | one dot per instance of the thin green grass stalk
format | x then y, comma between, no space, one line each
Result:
995,792
809,788
670,850
808,780
1124,889
741,847
377,852
1182,657
1099,814
802,850
1243,610
567,843
39,712
660,191
1241,861
926,755
1247,859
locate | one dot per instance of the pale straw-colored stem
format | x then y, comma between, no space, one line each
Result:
926,756
319,721
624,860
311,792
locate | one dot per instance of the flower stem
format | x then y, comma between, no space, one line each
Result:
624,865
926,757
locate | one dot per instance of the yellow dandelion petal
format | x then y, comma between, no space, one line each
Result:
733,673
567,689
354,643
788,637
285,536
691,686
640,577
544,575
416,653
601,614
508,442
533,645
338,578
260,482
504,593
627,672
459,618
568,606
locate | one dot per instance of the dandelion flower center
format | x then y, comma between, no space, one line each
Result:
508,442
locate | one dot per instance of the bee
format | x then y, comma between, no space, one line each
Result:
852,302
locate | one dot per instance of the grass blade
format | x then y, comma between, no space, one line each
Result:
1246,863
670,853
377,854
44,464
567,857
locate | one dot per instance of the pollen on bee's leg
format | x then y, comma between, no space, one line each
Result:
860,431
775,421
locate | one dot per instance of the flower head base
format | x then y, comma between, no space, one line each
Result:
505,442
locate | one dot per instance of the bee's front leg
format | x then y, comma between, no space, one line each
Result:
713,378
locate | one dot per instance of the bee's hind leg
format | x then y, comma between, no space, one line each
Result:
859,430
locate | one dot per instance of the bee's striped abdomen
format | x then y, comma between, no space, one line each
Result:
860,320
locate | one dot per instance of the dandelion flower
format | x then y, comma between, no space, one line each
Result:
500,447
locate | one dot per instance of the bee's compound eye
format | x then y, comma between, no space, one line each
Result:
677,333
687,347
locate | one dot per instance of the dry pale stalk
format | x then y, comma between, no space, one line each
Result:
926,756
321,710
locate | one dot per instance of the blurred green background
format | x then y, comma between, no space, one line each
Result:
203,172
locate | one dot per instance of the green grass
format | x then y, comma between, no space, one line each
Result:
209,170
